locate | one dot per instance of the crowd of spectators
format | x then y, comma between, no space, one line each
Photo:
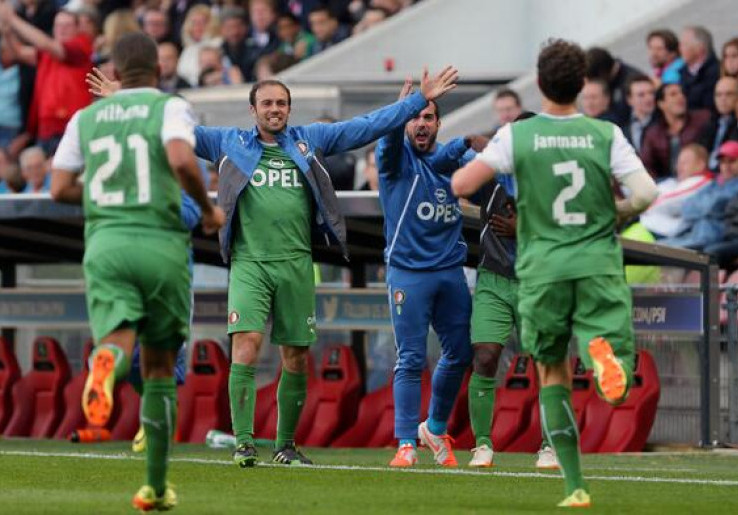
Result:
48,46
681,117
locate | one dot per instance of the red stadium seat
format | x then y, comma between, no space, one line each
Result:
203,400
9,375
337,391
375,423
74,417
515,403
265,414
624,428
38,397
583,390
125,419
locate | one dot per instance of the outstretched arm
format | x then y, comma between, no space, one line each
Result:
34,36
362,130
389,148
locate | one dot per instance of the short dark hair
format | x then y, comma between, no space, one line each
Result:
135,56
234,12
671,42
661,91
288,15
508,93
599,63
561,67
636,77
268,82
322,8
438,109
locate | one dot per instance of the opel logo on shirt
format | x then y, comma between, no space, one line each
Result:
441,195
276,163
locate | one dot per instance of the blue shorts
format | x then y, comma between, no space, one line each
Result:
180,368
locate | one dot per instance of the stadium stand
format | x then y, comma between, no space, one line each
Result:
624,428
38,397
74,417
9,375
338,391
203,399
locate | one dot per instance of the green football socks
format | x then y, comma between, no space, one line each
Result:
481,407
291,394
242,391
158,417
559,424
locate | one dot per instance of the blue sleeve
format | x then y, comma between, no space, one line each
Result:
452,156
389,152
207,142
339,137
189,210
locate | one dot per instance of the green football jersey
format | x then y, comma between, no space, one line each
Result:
273,211
128,183
566,210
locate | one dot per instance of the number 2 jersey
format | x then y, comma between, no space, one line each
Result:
120,142
564,167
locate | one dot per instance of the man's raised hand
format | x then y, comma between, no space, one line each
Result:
99,85
407,88
443,82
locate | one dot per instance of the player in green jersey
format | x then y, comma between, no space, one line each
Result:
570,263
135,147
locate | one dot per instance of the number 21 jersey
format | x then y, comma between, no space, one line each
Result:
564,167
120,142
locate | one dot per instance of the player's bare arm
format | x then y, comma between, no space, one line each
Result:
65,186
183,162
467,180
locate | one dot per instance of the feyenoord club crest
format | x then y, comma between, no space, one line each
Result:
399,298
233,317
302,147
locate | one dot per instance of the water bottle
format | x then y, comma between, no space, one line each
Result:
219,440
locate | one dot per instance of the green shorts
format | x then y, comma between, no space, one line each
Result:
495,308
587,307
142,281
284,288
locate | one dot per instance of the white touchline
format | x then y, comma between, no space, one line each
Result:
358,468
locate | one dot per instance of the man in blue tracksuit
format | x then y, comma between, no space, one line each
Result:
273,188
425,253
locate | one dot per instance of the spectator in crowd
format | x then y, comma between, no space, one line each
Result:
641,98
663,55
726,251
237,47
293,40
703,214
169,81
370,172
372,17
62,62
11,121
34,170
156,25
326,29
701,68
729,58
89,21
676,126
507,106
664,218
10,178
178,12
271,64
722,125
342,166
602,65
595,100
117,24
200,28
262,37
217,70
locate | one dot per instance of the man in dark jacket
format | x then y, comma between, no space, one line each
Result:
701,68
722,125
602,65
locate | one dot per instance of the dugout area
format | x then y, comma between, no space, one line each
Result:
674,325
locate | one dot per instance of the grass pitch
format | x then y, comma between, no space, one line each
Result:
59,477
